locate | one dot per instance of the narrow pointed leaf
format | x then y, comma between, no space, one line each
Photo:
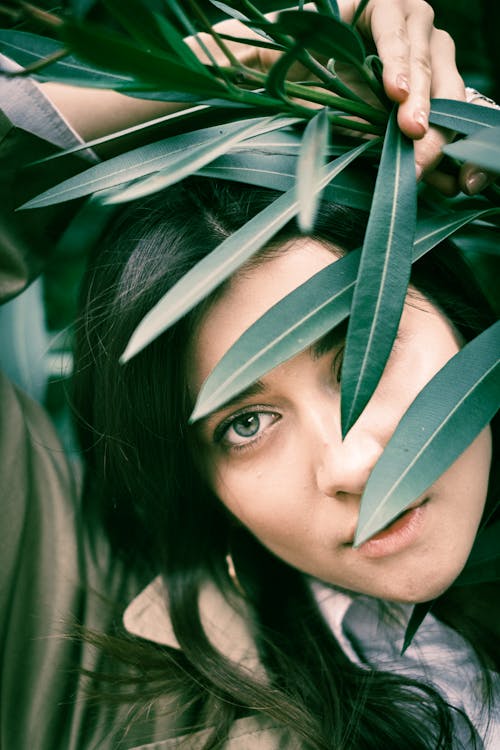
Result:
434,229
278,173
26,48
140,23
329,7
117,54
288,327
198,112
446,416
484,560
229,11
359,10
178,46
383,275
275,82
312,157
224,260
153,31
187,163
130,166
419,613
482,149
303,316
252,23
461,116
324,34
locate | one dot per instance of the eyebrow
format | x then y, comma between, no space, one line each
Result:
253,389
325,344
329,340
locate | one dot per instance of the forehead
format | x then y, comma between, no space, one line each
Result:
249,295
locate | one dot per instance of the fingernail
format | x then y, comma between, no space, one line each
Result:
419,171
421,117
475,182
403,83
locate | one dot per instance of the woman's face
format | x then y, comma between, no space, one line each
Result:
277,461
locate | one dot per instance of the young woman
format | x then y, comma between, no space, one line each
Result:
247,636
267,481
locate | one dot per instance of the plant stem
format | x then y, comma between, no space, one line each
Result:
318,96
222,46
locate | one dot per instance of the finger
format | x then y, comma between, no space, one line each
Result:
413,113
446,83
473,179
428,150
447,184
387,24
403,34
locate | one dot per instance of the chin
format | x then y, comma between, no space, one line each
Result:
417,592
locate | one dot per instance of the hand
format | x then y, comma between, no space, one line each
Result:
419,64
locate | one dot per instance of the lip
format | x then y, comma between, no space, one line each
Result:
401,533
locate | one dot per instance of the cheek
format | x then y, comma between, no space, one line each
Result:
468,477
265,496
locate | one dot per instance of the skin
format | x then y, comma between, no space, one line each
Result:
284,471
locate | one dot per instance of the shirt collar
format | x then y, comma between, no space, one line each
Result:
227,625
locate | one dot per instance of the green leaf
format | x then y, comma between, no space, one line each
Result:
303,316
461,116
276,77
434,229
484,560
383,275
353,187
292,324
329,7
193,113
359,10
418,615
133,164
481,149
312,157
153,31
224,260
324,34
26,49
113,52
178,46
187,163
446,416
138,20
253,23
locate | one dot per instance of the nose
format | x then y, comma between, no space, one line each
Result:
342,467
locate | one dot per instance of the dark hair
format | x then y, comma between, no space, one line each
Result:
160,516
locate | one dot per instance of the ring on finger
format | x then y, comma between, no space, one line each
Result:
472,95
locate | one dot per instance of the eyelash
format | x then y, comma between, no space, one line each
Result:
222,429
337,363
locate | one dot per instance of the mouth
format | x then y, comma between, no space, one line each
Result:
396,527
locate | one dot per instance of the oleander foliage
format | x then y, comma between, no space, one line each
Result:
283,129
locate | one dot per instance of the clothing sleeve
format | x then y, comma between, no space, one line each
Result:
30,129
46,572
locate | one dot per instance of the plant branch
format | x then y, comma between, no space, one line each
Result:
48,19
316,95
38,65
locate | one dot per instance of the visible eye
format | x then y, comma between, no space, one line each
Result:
244,428
337,363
